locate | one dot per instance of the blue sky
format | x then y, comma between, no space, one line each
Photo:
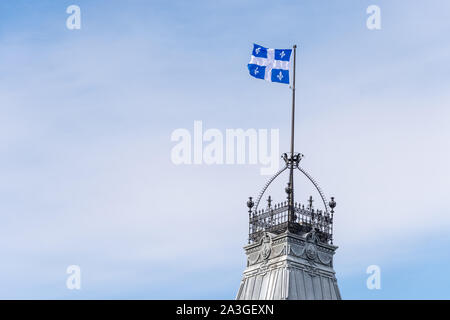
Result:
85,123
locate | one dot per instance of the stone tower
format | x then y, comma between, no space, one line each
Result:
290,249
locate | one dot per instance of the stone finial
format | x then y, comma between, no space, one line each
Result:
269,201
332,204
250,204
310,201
288,190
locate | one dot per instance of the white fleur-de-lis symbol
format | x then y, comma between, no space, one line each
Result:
280,76
282,54
256,70
257,50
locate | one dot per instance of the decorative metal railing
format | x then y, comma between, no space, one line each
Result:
275,219
288,215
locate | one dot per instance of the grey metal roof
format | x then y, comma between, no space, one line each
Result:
289,266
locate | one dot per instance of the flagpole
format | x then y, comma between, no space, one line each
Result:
291,172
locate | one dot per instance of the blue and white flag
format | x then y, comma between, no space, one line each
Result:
270,64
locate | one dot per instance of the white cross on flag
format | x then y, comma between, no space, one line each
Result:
270,64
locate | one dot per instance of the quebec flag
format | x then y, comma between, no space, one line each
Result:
270,64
